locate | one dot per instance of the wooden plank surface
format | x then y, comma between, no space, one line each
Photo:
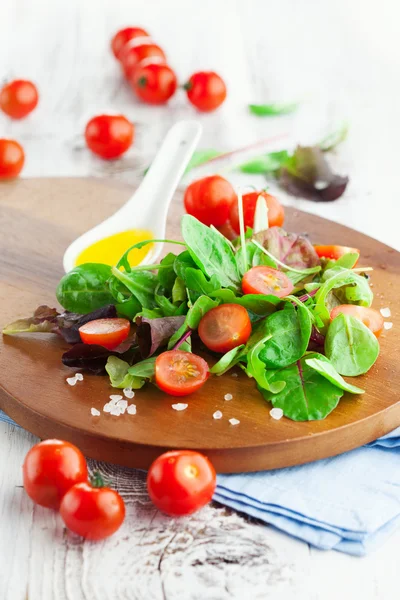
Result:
341,60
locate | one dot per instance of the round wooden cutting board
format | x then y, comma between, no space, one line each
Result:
38,219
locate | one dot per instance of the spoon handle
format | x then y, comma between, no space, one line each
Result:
161,180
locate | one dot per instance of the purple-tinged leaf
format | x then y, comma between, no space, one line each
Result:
154,333
293,250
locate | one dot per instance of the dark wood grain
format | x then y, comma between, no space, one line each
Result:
38,219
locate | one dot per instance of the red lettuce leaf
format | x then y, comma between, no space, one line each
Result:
93,357
293,250
152,334
69,322
307,174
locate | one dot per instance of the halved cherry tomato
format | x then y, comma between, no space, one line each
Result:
225,327
92,512
154,83
210,200
18,98
181,481
180,373
12,159
123,36
133,55
50,469
369,316
276,214
334,252
109,136
266,280
109,333
206,90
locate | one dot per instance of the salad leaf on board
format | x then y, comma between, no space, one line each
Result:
307,174
307,395
273,110
194,315
178,291
142,284
144,368
211,252
85,288
87,356
43,320
256,368
152,334
227,361
291,249
351,347
325,368
257,305
117,370
288,333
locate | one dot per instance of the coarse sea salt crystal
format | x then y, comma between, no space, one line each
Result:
94,412
235,375
131,410
116,397
276,413
115,411
179,406
217,414
128,392
71,380
122,404
228,397
79,376
385,312
234,421
107,407
387,325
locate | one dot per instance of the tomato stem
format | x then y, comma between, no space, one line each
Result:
96,480
183,339
187,86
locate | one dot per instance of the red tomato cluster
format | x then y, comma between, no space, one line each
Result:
56,476
144,65
17,100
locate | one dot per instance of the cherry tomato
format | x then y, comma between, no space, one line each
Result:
206,90
123,36
109,333
225,327
180,373
181,482
276,214
12,159
50,469
370,317
132,56
266,280
210,200
334,252
92,512
18,98
109,136
154,83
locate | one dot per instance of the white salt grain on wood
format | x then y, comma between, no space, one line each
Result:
228,397
79,376
385,312
180,406
94,412
71,380
128,392
116,397
131,410
107,407
387,325
115,411
122,404
217,414
234,421
276,413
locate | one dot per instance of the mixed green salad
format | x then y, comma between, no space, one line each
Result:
264,303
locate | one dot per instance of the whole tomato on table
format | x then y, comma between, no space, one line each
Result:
154,83
123,36
181,481
132,56
109,136
206,90
19,98
12,158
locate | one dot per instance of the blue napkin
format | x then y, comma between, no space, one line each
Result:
349,503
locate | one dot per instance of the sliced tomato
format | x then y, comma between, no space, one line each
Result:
225,327
369,316
109,333
266,280
180,373
276,214
334,252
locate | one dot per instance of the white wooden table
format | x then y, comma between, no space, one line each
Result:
341,59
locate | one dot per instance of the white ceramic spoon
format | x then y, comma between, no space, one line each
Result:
148,207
